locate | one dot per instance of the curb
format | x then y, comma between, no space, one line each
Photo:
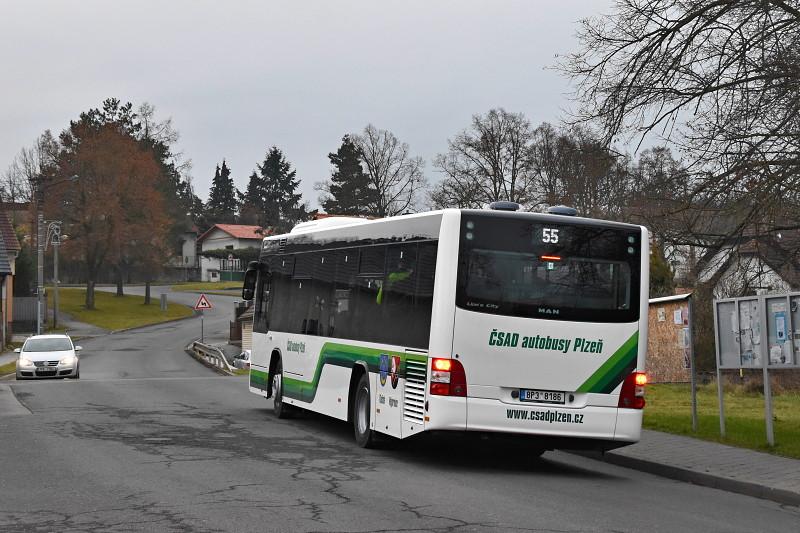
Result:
704,479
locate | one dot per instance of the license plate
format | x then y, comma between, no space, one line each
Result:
541,396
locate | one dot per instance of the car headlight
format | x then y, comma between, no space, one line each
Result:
67,360
24,361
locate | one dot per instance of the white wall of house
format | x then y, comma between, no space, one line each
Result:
189,250
749,271
218,240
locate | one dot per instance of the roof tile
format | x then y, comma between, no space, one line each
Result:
8,233
237,231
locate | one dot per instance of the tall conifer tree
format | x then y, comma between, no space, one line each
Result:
349,190
222,203
271,199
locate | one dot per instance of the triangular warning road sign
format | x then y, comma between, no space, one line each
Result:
203,304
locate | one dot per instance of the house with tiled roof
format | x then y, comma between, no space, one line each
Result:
227,237
9,250
752,264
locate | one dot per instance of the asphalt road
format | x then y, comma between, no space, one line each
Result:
150,440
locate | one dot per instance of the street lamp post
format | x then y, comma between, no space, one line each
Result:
54,237
40,186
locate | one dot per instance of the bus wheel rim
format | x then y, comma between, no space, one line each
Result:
363,411
276,384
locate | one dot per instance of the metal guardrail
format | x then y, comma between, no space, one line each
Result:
212,355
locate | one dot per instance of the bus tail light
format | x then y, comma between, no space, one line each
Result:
448,378
632,394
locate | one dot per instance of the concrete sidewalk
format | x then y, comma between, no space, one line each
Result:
712,465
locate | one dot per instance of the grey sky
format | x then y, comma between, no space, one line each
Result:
238,77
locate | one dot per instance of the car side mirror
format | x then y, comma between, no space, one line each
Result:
17,350
78,348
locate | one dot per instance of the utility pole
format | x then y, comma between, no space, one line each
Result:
39,254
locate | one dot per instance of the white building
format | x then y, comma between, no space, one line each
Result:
747,265
227,237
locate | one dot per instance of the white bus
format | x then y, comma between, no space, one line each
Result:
490,320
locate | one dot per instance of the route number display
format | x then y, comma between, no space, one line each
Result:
550,235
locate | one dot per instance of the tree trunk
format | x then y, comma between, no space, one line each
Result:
119,281
90,294
147,292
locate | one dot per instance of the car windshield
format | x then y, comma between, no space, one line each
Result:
47,345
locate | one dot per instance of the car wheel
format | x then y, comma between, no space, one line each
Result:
362,407
77,373
281,409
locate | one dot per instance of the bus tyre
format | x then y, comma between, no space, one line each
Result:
279,406
362,406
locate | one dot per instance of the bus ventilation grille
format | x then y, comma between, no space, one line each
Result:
414,398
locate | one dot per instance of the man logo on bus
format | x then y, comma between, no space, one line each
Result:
395,370
383,367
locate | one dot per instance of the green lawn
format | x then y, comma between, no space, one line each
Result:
207,286
117,312
8,368
669,409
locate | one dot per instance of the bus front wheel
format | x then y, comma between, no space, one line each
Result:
281,409
362,407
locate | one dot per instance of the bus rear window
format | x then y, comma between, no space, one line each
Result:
518,267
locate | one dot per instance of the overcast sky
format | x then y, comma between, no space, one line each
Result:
238,77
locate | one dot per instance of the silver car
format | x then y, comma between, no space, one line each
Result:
48,356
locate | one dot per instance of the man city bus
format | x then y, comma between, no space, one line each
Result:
493,321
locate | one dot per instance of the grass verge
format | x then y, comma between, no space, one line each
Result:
118,312
669,409
8,368
208,286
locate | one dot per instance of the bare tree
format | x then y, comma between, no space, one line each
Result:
392,171
29,165
720,79
487,162
573,167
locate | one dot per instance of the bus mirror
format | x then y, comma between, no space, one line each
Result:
249,288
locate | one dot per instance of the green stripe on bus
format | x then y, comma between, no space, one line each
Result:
345,356
613,371
258,379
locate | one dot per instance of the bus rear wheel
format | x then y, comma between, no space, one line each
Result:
362,407
281,409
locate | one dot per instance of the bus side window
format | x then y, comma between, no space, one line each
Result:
281,286
396,296
423,295
341,323
301,294
321,310
261,322
367,321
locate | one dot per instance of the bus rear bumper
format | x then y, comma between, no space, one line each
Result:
495,416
